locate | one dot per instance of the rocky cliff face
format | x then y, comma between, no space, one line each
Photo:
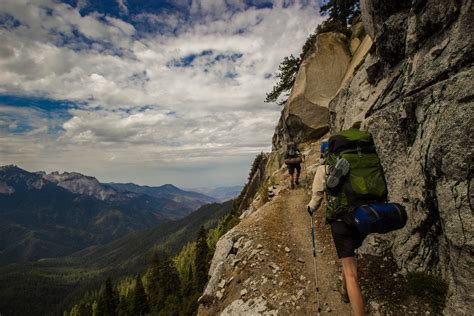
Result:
406,76
413,92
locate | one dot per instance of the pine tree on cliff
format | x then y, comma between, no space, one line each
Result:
202,259
341,11
286,74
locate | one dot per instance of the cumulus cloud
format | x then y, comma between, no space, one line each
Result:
188,91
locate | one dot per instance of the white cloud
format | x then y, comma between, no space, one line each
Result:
213,107
123,6
81,4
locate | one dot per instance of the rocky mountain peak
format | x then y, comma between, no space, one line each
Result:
170,187
9,167
9,170
11,176
81,184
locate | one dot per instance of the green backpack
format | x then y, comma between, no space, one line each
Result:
364,182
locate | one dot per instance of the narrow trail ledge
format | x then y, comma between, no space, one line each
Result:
269,268
264,265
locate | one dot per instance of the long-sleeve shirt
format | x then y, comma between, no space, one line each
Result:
318,187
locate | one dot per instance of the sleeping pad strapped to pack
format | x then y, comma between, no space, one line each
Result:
379,217
364,185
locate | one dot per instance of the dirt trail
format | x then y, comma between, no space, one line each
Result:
270,269
288,215
267,266
275,267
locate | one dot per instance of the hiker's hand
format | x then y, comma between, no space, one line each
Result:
313,205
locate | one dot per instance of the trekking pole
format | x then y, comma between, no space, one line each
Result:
304,169
315,265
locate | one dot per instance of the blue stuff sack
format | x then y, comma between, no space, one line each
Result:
379,217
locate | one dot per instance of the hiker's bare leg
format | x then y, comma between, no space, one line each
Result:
343,289
349,269
291,180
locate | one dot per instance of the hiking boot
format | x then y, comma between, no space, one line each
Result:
292,185
297,182
341,169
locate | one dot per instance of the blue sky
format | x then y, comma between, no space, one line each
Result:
151,92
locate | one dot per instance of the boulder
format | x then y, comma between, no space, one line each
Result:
212,286
305,115
223,248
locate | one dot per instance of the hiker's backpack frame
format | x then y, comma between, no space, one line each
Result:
365,182
292,150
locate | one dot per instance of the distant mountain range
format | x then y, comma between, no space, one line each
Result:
168,191
51,215
221,193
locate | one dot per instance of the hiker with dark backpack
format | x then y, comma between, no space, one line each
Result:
293,159
351,177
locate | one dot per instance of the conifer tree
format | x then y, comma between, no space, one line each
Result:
108,300
163,285
95,311
140,301
154,280
124,306
202,259
286,75
341,11
190,295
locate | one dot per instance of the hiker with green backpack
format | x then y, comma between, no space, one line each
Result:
351,177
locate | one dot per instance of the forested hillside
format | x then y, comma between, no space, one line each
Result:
47,287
